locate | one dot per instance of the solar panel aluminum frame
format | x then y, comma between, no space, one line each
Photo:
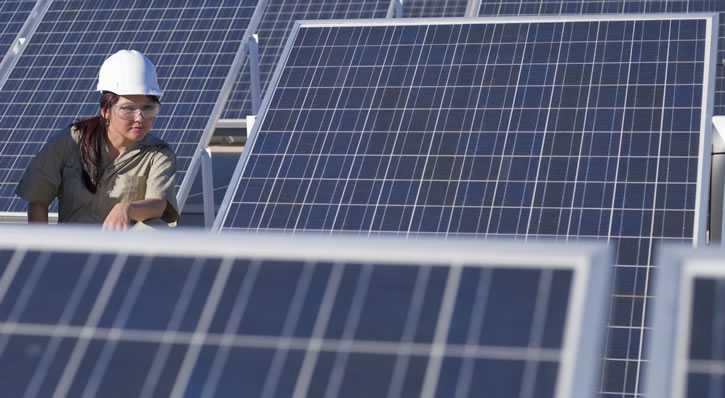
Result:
255,77
222,98
590,262
669,349
705,142
10,59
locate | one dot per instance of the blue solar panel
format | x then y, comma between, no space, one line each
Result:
13,14
549,7
524,7
191,314
589,128
276,22
687,350
434,8
53,83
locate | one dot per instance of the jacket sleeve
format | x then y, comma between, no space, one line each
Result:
41,181
161,183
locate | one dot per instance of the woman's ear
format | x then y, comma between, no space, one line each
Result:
106,114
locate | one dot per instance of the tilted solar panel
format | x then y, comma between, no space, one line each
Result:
13,14
687,350
564,127
88,314
535,7
274,27
434,8
489,8
193,45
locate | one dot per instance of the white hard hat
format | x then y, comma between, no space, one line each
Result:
128,72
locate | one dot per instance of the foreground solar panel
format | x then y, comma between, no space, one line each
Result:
558,127
87,314
687,351
13,14
276,23
434,8
194,46
488,8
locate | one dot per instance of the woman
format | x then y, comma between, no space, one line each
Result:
108,169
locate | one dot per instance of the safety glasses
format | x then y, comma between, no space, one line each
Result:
131,112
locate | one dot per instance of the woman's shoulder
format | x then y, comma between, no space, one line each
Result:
64,139
157,146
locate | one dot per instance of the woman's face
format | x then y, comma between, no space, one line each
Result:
130,119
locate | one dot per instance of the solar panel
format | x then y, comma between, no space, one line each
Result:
549,7
275,24
86,314
687,351
193,45
525,7
13,14
434,8
572,128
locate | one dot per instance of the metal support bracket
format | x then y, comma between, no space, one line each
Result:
396,9
254,76
473,7
717,183
207,183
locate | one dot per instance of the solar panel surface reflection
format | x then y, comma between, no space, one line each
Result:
200,315
579,128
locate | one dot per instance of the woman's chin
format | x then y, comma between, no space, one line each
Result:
137,134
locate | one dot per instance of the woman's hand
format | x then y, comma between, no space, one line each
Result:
118,218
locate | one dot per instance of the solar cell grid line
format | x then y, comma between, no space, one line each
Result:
568,7
434,8
687,351
199,315
276,22
576,127
194,44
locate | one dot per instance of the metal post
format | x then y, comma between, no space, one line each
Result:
717,179
207,183
396,9
473,7
250,126
254,76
